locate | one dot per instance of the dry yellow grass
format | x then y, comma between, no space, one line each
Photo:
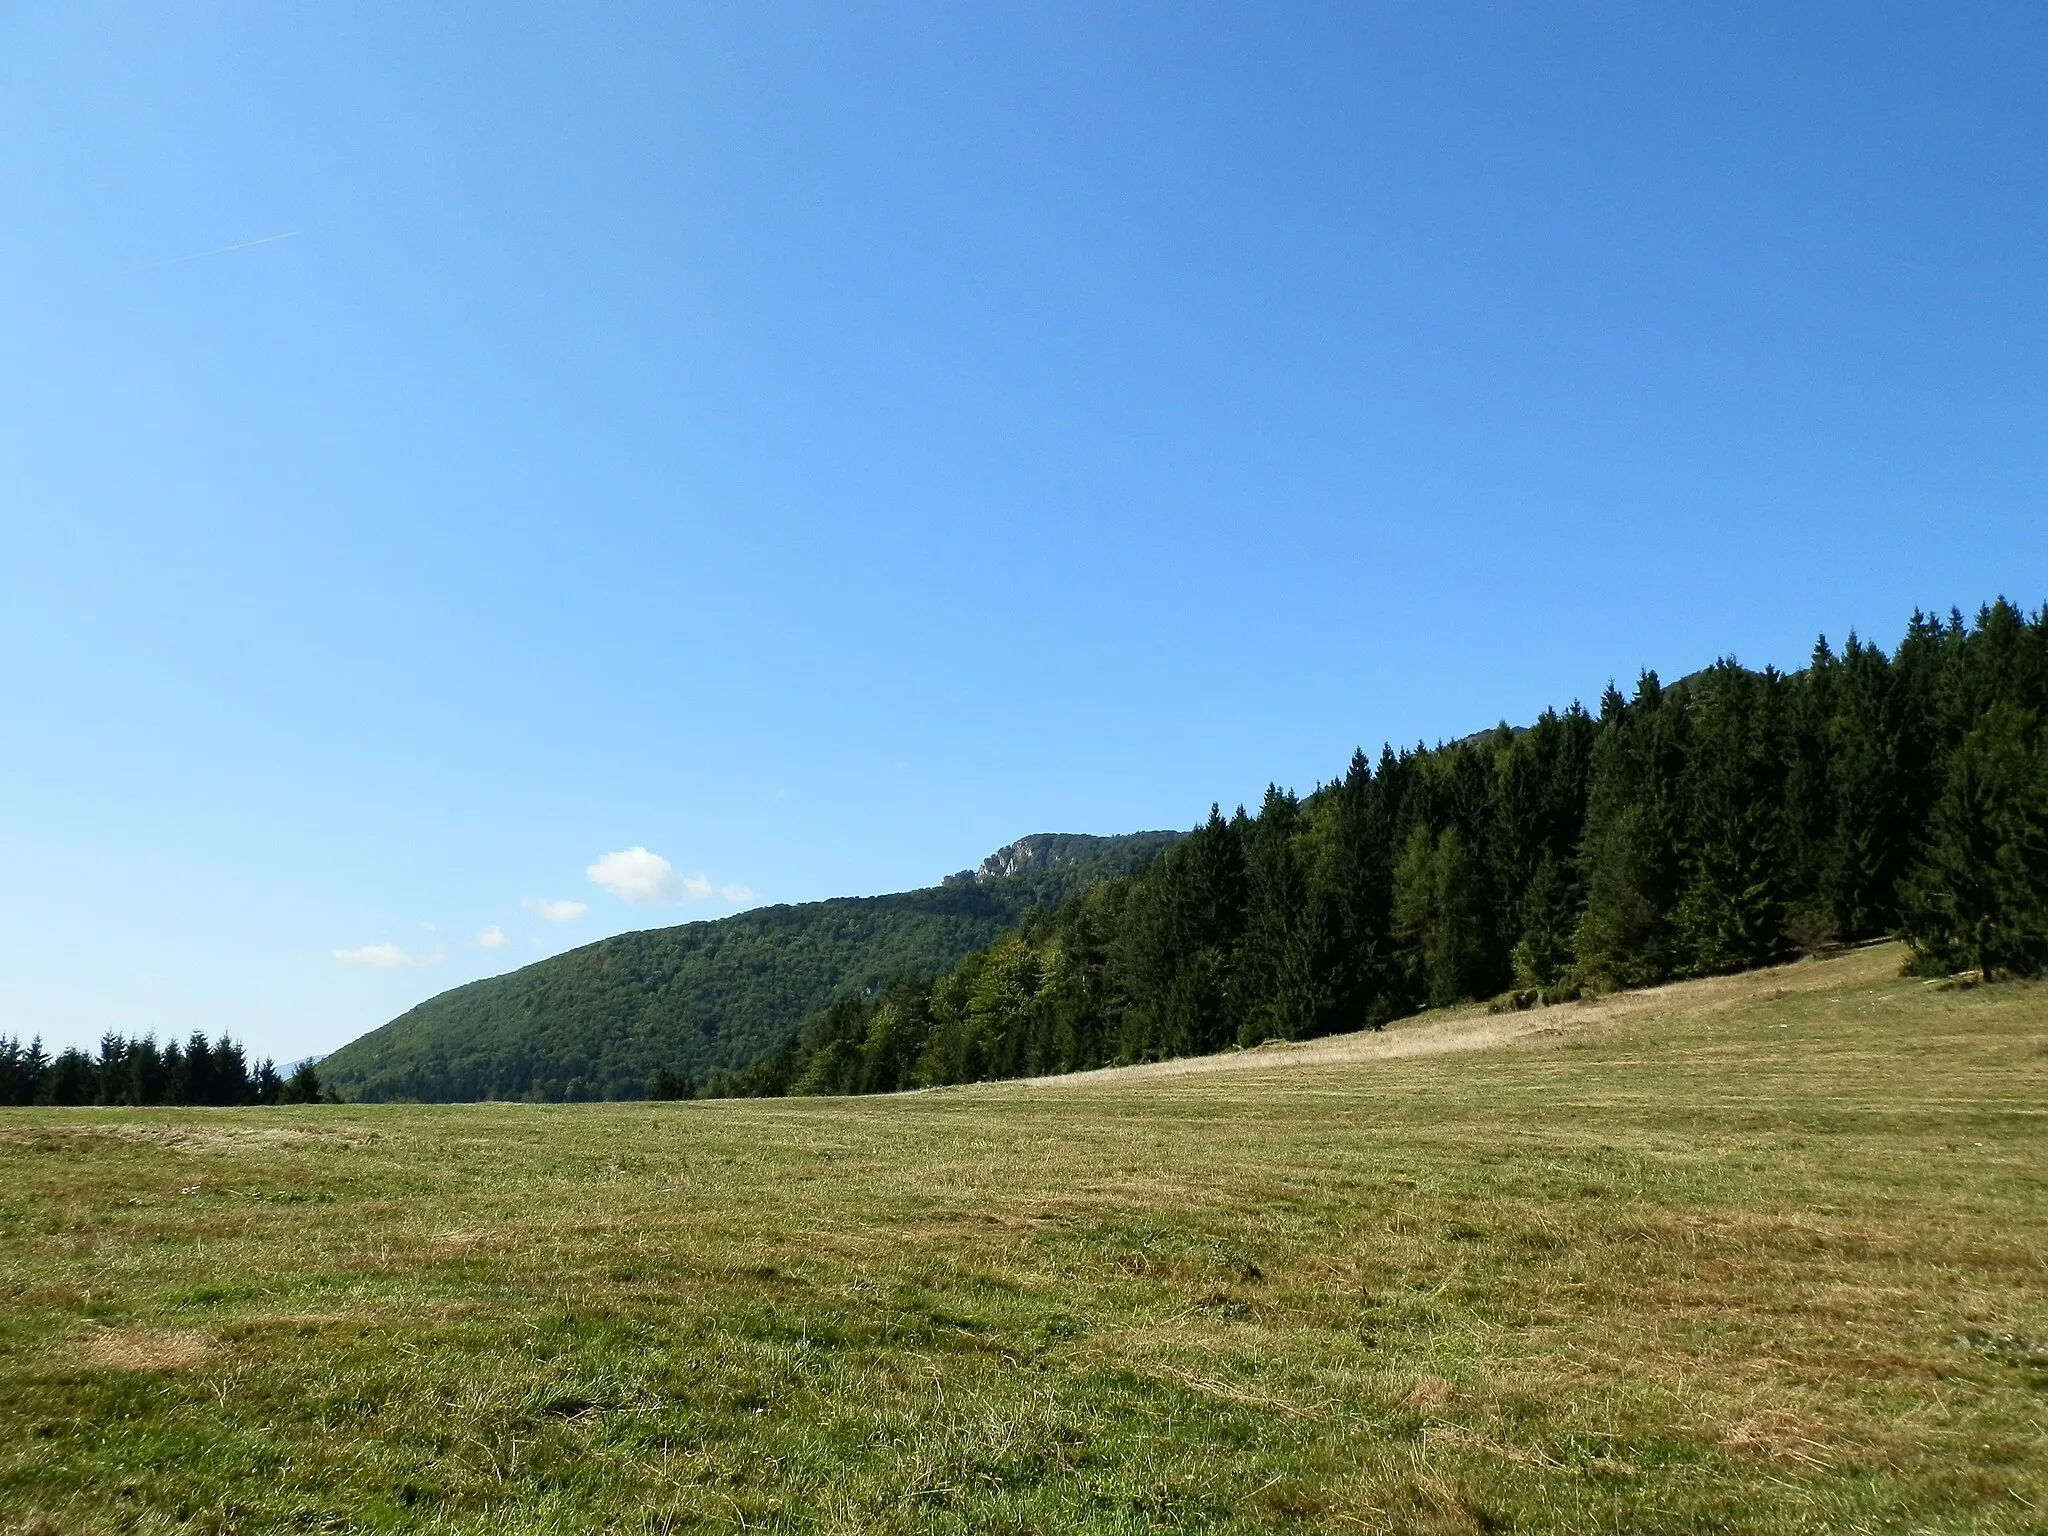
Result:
140,1349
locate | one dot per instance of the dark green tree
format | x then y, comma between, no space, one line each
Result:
1352,877
1630,854
668,1084
1542,956
1979,899
1285,957
71,1079
1439,917
1732,909
1182,926
1869,761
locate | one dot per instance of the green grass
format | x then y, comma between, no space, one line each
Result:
1768,1254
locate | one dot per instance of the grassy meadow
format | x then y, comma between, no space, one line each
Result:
1760,1254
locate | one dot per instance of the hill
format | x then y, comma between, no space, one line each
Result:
601,1021
1758,1253
1722,823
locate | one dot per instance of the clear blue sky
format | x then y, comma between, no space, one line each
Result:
818,444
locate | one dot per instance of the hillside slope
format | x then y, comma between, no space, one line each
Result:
600,1021
1478,1027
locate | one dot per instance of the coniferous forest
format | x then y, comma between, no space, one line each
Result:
142,1072
1729,820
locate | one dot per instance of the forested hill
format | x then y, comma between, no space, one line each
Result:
659,1010
1729,820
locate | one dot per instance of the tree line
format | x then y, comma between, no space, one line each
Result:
142,1072
1733,819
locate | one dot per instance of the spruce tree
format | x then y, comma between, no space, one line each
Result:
1732,909
14,1088
1979,899
1438,917
266,1087
1542,956
35,1066
1352,880
1284,955
1629,856
148,1077
70,1080
229,1077
1183,927
1810,800
111,1073
1872,832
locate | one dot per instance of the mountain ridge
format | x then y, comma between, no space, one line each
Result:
641,1012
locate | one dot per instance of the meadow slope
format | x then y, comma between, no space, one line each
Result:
1767,1253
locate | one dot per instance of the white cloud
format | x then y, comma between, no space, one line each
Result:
735,893
555,911
382,957
647,879
492,937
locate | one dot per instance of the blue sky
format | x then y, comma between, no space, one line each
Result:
818,444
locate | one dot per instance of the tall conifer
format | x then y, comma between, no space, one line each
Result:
1979,900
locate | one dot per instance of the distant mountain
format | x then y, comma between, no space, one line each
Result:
602,1021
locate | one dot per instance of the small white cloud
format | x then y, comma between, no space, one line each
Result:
492,937
735,893
555,911
647,879
382,957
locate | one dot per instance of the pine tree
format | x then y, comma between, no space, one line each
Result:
1542,956
1284,955
1732,910
1536,823
1438,917
1979,899
1630,852
265,1086
1353,882
111,1071
228,1080
1810,922
70,1080
1184,923
35,1067
1872,832
148,1073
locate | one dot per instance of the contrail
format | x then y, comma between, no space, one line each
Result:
223,250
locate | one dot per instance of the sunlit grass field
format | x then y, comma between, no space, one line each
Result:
1768,1254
